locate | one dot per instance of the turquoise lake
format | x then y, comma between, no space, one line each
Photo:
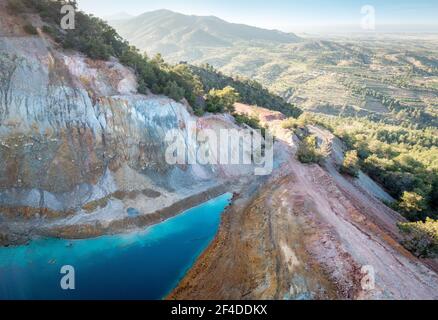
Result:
141,265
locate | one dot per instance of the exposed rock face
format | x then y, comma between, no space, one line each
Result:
78,143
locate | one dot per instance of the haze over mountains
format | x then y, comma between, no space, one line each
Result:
167,32
118,16
315,73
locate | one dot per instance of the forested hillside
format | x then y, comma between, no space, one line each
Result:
404,161
95,38
250,91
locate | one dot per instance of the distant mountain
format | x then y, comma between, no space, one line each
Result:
118,16
169,32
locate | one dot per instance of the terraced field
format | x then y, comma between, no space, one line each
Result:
331,76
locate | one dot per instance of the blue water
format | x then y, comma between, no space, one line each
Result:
140,265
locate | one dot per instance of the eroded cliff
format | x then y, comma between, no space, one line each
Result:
79,146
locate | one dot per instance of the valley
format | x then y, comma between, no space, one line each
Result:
328,76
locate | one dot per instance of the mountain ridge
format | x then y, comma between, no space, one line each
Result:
118,16
163,31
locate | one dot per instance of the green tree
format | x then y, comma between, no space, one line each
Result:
421,238
173,91
250,121
30,29
218,101
412,203
308,151
351,165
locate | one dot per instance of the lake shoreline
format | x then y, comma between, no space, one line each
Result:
240,200
125,225
114,266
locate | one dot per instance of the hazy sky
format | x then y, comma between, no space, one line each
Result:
281,14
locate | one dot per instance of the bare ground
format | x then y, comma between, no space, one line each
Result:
307,234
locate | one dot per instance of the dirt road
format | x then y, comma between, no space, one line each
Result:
308,233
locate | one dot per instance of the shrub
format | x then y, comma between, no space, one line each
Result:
421,238
351,165
412,204
49,30
308,151
290,124
252,122
16,6
218,101
30,29
173,91
199,112
294,123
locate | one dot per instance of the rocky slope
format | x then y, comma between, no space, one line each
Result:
79,146
307,233
83,154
